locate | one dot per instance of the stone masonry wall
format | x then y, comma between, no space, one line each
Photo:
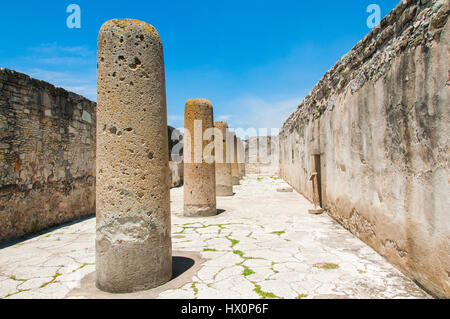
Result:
47,155
377,128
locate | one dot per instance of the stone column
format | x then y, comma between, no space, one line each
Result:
244,148
199,168
241,158
234,162
224,183
133,236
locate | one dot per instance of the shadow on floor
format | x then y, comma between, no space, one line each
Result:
44,231
185,265
220,211
180,265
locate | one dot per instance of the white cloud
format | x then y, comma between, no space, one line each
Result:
55,49
84,84
56,55
176,121
88,91
175,117
263,113
224,117
70,67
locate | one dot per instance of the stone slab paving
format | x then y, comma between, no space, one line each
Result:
263,244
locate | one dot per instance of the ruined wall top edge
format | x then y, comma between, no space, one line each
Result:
8,75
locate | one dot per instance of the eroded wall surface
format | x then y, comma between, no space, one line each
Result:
378,125
47,155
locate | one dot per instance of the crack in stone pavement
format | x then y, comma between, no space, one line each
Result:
264,245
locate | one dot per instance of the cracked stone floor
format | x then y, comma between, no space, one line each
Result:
263,244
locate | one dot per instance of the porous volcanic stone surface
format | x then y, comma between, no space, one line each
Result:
199,164
133,199
240,158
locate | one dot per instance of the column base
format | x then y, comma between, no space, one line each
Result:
129,267
199,211
222,190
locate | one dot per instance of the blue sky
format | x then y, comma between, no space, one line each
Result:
255,60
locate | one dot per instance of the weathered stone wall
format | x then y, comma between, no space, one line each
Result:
47,155
378,123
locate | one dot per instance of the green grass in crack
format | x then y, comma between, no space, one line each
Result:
209,249
238,252
247,271
15,279
265,295
273,269
245,258
301,296
279,233
187,226
327,266
234,242
194,287
81,267
15,293
51,281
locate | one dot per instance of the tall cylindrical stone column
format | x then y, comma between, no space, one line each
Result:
133,236
244,147
241,158
234,164
224,183
199,169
